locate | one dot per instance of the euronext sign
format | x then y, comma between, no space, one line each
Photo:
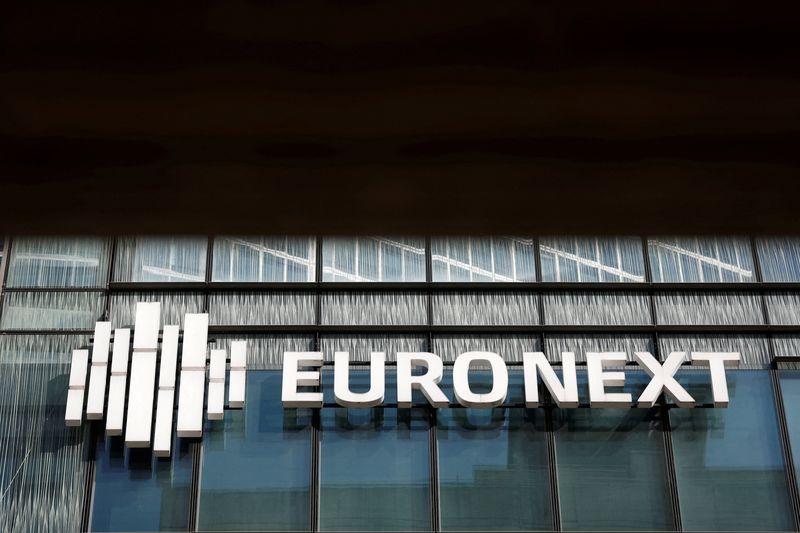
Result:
301,369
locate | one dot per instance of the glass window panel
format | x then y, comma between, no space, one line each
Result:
754,349
580,344
174,306
264,259
607,455
596,308
493,470
588,259
374,470
509,347
262,308
42,462
709,308
779,258
783,308
728,461
700,259
265,352
136,491
783,345
790,392
483,259
256,473
157,259
59,262
485,308
374,308
52,310
388,259
361,346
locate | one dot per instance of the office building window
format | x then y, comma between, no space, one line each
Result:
592,259
374,470
387,259
128,481
256,472
485,308
701,259
161,259
264,259
708,308
483,259
261,308
779,258
596,308
493,470
59,262
374,308
729,463
174,306
51,310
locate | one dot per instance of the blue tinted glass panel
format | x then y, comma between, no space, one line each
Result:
493,471
701,259
779,258
790,389
729,462
256,470
374,470
137,491
358,259
483,259
604,455
592,259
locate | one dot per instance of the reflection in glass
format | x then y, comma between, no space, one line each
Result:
137,491
388,259
52,310
604,455
59,262
779,258
700,259
156,259
42,462
256,471
374,470
510,346
729,464
790,390
361,346
485,308
754,349
783,308
712,308
265,352
482,259
592,259
174,306
264,259
596,308
260,308
493,472
580,344
374,308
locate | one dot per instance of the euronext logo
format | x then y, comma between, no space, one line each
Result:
138,379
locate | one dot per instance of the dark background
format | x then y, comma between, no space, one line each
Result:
402,117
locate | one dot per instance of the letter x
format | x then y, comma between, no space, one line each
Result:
662,379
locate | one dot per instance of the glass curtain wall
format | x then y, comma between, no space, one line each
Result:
268,468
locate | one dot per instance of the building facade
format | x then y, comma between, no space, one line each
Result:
267,467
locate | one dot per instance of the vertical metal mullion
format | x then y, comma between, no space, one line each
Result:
666,431
194,501
791,473
316,417
555,505
89,437
209,266
5,266
433,449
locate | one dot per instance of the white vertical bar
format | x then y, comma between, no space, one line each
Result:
216,385
139,425
77,385
238,380
162,438
118,381
99,371
190,403
193,373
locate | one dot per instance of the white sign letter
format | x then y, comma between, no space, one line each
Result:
461,389
662,378
716,363
293,377
341,381
599,380
564,396
427,382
